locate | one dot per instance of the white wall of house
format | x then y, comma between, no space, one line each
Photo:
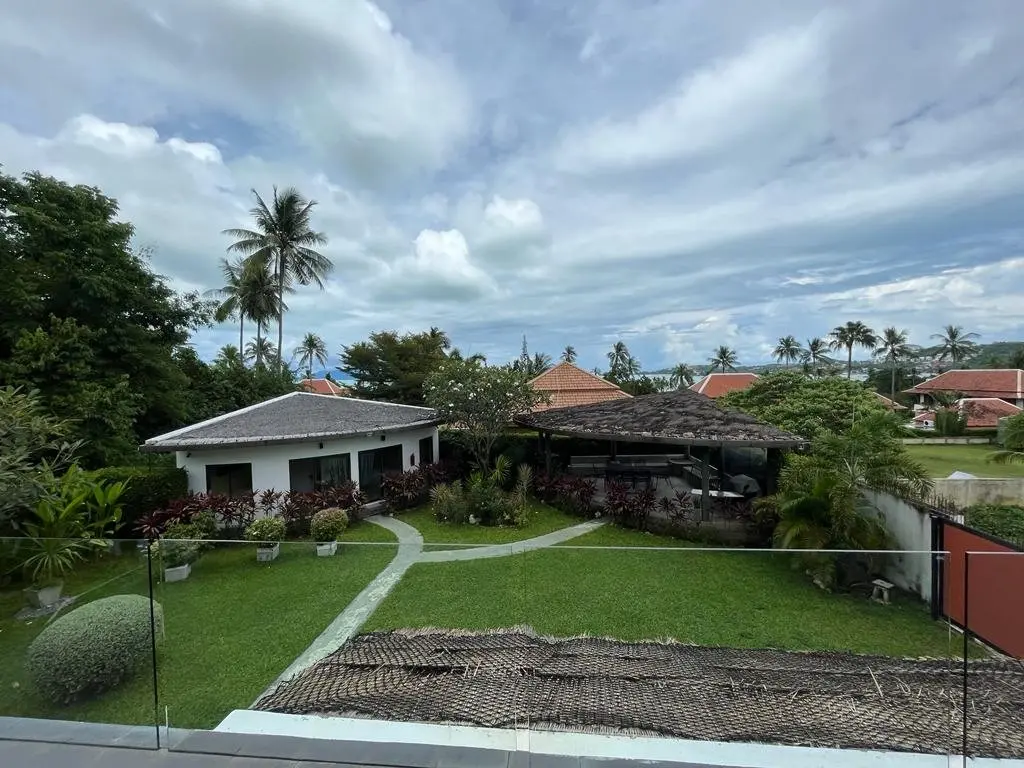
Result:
270,468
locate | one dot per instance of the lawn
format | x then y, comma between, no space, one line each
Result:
230,629
942,460
742,599
543,519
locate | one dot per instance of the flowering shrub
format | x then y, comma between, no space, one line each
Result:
328,525
266,531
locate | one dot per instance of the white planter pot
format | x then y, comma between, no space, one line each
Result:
44,597
326,549
266,554
179,573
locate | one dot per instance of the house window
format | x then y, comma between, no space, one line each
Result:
427,450
319,472
229,479
373,465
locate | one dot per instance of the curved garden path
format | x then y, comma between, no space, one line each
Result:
410,551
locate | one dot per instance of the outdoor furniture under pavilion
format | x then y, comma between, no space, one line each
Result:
680,418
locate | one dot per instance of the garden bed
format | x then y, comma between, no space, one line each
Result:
542,519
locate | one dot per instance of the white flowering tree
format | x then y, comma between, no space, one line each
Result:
479,401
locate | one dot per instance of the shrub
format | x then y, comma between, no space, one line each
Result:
174,553
628,509
1005,521
266,531
148,490
328,524
405,490
569,493
92,648
482,498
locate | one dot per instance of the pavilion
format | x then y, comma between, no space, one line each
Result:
679,418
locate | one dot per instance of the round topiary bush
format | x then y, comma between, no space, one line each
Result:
92,648
328,524
266,531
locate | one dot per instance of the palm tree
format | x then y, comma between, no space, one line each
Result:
259,297
955,344
788,350
283,236
619,355
893,348
853,334
229,356
1013,443
229,296
259,349
814,354
569,354
724,358
540,363
681,376
622,366
312,349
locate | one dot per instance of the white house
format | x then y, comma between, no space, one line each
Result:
302,441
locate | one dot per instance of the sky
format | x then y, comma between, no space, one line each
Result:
677,175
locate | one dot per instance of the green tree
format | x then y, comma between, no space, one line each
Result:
77,302
481,400
569,354
229,356
622,366
1013,442
311,350
724,358
393,367
853,334
894,348
804,406
682,376
815,356
229,296
283,236
955,344
532,366
260,299
788,350
259,350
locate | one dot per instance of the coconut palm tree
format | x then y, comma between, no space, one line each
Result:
955,344
853,334
569,354
312,349
893,348
283,237
622,366
788,350
260,349
724,358
229,356
1013,443
259,298
681,376
228,296
814,354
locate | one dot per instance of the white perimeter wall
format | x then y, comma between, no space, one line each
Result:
912,530
270,462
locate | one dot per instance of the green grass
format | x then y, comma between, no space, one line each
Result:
231,628
543,519
942,460
360,530
740,599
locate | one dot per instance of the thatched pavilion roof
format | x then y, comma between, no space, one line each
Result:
680,417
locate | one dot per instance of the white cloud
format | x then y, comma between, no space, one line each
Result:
439,267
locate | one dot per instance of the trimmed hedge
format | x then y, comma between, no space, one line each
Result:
92,648
328,525
1003,520
149,489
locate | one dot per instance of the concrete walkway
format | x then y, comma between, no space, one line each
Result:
512,548
348,622
410,551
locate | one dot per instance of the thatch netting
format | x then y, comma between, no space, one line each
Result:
515,679
681,417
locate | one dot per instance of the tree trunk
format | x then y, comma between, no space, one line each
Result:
241,337
849,361
259,344
280,307
892,393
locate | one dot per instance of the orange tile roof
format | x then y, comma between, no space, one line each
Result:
718,384
982,412
1005,383
889,403
567,385
323,387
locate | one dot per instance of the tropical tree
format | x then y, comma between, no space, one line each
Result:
569,354
283,237
229,296
531,366
955,344
1013,442
814,355
259,350
788,350
853,334
229,356
724,358
311,350
681,376
894,349
259,299
392,367
622,366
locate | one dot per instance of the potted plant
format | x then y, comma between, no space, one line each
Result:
327,525
267,532
176,557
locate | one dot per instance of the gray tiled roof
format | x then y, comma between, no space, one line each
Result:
295,417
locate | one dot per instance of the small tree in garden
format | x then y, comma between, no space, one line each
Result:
479,402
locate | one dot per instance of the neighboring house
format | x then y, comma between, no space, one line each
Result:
568,385
1001,383
719,384
889,403
981,412
302,442
323,387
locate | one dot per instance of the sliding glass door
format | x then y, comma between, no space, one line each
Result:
373,465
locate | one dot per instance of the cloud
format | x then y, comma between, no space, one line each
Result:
438,268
